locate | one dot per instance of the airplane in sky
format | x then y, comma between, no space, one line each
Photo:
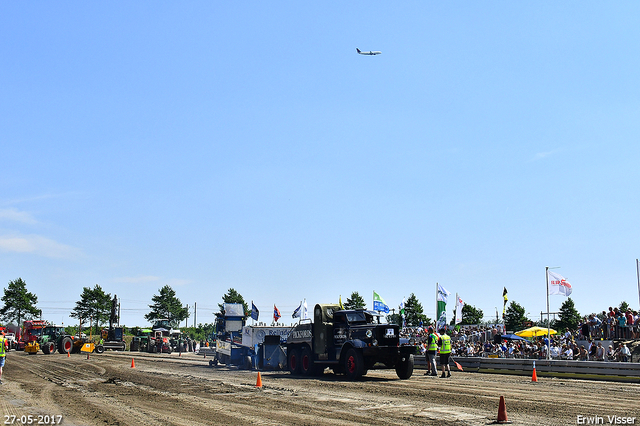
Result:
374,52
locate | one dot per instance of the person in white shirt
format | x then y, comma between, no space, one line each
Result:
567,352
625,352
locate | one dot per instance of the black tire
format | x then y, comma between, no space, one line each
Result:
48,348
307,367
248,363
135,345
353,364
404,367
99,349
66,345
293,361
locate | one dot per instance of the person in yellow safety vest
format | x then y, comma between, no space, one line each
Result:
3,353
445,351
432,349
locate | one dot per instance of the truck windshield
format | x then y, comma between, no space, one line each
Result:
356,317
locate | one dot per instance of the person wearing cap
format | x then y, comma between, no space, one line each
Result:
432,349
445,351
3,353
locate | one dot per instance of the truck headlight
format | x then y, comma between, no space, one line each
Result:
369,334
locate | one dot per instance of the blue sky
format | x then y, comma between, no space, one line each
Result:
210,146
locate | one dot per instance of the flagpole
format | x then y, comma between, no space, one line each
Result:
436,305
455,312
546,275
638,275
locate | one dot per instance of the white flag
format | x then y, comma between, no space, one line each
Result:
459,305
558,284
442,294
305,313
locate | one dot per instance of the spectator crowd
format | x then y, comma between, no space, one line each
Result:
594,339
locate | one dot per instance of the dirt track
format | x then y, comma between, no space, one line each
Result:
172,390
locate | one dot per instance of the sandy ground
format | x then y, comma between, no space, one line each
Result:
171,390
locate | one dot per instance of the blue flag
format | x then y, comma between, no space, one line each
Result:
379,304
254,312
296,313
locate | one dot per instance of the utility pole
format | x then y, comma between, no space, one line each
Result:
186,320
195,313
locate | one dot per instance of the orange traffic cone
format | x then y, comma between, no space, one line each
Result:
534,377
133,363
502,412
259,381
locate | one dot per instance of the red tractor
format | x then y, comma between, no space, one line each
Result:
31,331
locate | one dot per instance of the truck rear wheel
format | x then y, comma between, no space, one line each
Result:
404,367
135,345
248,363
293,361
353,364
307,367
99,349
65,345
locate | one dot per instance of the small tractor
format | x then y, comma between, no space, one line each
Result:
160,338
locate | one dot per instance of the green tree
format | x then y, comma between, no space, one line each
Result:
515,317
233,296
623,306
394,319
94,305
19,304
355,301
167,305
568,317
413,312
471,315
201,332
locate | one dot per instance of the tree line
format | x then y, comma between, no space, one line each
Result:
94,308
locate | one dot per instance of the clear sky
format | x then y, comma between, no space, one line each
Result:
211,145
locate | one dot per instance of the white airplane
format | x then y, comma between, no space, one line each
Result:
375,52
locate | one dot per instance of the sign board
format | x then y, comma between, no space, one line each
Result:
253,335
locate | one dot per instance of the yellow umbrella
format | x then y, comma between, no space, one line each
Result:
535,332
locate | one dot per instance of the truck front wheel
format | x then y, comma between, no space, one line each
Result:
404,367
293,360
353,364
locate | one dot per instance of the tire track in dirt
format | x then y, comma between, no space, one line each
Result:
185,391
